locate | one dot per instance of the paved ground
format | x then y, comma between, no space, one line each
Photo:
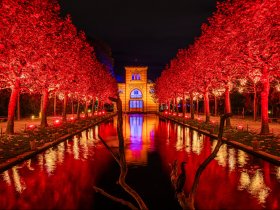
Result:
253,126
20,125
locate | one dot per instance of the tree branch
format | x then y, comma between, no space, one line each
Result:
124,202
115,156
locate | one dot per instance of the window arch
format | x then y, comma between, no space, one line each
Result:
133,77
136,93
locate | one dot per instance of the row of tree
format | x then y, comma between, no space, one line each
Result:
239,46
41,52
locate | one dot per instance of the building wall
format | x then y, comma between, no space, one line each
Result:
140,83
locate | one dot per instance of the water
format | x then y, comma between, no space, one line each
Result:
62,177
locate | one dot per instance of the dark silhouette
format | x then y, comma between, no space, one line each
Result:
186,201
181,179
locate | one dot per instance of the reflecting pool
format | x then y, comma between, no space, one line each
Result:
62,177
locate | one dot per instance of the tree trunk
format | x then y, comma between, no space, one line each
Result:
168,104
206,106
41,107
176,105
44,122
184,105
18,107
197,103
54,105
216,105
191,106
97,107
86,108
255,103
227,106
64,114
264,102
78,109
12,107
72,106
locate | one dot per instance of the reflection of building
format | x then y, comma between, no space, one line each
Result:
136,93
138,132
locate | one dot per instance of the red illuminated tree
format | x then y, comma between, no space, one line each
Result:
21,40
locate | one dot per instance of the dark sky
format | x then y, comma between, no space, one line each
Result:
141,32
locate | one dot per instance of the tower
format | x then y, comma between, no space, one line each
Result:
137,93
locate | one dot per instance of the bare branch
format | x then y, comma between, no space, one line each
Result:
124,202
115,156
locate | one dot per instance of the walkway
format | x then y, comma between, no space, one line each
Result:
247,122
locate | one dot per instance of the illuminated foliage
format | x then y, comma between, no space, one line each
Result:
240,41
41,52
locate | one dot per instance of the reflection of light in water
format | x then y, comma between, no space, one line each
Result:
28,164
222,153
41,160
255,185
136,125
60,153
95,132
6,177
277,168
197,144
168,133
90,134
231,159
84,146
51,158
76,148
258,187
138,132
179,143
242,158
19,185
188,141
244,180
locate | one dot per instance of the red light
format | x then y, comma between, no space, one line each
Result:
174,114
31,127
186,116
83,116
165,112
57,122
71,119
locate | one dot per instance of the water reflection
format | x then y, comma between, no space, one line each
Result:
139,137
277,169
61,177
255,185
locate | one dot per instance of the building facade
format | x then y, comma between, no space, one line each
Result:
137,93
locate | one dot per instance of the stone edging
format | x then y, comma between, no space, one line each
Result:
269,157
15,160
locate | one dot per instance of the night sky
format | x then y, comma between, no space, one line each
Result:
141,32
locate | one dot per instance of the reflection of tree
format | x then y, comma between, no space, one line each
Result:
187,201
120,158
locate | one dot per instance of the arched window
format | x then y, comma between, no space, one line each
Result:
133,76
136,93
138,76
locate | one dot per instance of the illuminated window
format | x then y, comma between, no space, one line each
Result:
133,77
136,93
136,104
